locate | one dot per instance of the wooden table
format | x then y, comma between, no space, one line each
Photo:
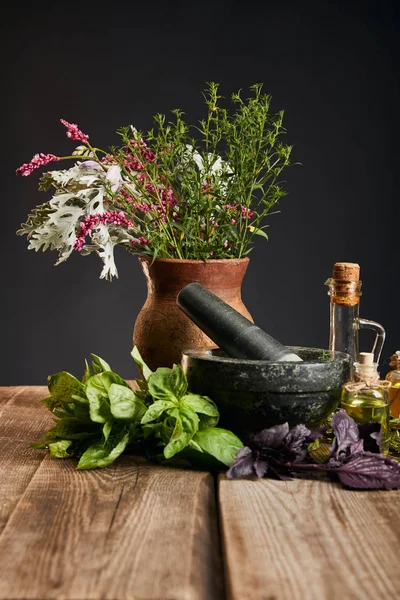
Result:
138,531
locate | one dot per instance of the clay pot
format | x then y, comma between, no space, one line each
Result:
162,331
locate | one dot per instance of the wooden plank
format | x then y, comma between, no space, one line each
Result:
7,393
133,530
308,539
19,426
25,420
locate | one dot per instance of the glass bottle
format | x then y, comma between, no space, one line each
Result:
345,322
366,399
394,390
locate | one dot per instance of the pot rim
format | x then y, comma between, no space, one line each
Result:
206,355
196,261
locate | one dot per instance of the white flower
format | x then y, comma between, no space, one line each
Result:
114,177
217,165
90,164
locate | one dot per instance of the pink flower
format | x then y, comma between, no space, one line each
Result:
233,221
226,243
248,212
141,240
145,208
211,253
74,133
39,160
112,217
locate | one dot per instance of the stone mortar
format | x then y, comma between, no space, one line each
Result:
254,394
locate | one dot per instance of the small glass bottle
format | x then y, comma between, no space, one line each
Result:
394,390
365,399
345,322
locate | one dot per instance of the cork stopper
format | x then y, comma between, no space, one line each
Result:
345,271
366,358
366,369
345,285
395,360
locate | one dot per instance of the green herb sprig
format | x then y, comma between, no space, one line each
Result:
98,417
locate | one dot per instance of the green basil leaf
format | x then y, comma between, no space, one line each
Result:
49,402
168,384
178,381
61,413
39,445
220,443
135,431
107,427
155,410
139,360
205,421
87,373
159,385
60,449
142,385
99,365
62,386
195,446
102,455
80,408
97,392
201,404
153,429
186,425
71,428
124,403
80,399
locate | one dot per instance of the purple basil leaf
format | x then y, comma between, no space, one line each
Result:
316,434
370,433
270,438
345,431
260,467
370,471
296,438
355,448
242,466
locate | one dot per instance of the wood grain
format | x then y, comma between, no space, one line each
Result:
131,531
306,539
23,420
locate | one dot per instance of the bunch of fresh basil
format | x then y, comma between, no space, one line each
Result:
98,417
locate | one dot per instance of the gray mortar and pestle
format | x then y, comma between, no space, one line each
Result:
256,381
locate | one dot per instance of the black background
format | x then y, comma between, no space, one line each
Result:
333,67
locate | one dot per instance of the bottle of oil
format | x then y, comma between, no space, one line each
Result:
365,399
345,322
394,390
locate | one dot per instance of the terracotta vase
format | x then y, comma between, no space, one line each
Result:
162,331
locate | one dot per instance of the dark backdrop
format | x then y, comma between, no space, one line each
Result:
333,67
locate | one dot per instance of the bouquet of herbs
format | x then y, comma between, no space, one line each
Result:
176,191
99,416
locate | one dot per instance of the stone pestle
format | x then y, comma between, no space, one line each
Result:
234,334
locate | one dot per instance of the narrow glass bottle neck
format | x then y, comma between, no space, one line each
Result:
343,329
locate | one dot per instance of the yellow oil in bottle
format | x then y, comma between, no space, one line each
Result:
368,403
394,400
367,409
364,408
394,390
